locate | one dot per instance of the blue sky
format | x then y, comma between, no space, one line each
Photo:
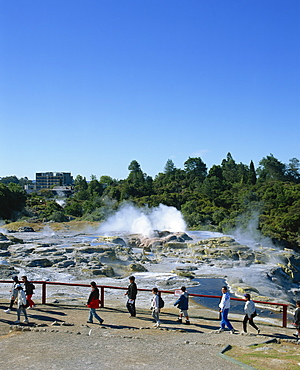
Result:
88,86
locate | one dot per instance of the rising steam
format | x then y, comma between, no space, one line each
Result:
133,220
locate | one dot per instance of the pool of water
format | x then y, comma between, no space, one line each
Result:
213,286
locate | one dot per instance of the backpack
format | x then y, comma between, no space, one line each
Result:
161,302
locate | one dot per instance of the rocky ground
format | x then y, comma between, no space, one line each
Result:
58,337
85,256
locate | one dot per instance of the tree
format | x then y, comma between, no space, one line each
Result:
80,183
12,200
252,174
136,175
195,168
293,170
169,167
230,170
271,168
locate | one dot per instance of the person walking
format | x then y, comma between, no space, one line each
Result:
29,290
131,295
224,310
250,312
296,322
155,307
93,303
21,304
183,304
13,293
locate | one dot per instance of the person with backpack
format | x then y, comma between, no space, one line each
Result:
183,304
13,293
155,307
29,290
93,303
131,294
21,304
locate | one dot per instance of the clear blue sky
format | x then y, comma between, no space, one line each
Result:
88,86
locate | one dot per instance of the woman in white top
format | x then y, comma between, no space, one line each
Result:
250,312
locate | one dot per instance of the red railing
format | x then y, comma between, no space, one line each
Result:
102,287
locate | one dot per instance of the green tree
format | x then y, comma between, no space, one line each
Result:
195,169
252,174
80,183
169,167
12,201
293,170
271,168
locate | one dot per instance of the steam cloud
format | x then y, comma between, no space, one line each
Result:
133,220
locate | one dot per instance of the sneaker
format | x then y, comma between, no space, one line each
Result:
243,333
101,322
7,311
219,331
232,331
26,320
17,322
90,322
187,322
179,321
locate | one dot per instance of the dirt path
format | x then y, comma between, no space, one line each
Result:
58,337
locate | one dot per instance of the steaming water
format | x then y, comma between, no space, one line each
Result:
132,220
144,221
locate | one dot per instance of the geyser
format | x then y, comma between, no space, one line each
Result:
132,220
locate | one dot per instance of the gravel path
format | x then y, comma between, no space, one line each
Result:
58,337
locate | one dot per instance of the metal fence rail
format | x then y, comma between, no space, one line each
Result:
102,294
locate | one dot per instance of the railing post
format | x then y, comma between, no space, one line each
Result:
284,316
102,297
44,293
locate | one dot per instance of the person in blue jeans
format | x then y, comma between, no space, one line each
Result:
93,303
224,306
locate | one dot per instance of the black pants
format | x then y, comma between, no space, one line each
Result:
250,319
131,308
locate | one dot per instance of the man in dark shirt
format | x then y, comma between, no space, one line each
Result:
131,294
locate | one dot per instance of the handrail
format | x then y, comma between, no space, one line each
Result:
102,287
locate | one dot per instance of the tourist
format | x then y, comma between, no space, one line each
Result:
296,322
29,288
183,304
13,293
224,310
250,312
155,307
21,304
131,295
93,303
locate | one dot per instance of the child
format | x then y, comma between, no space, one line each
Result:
250,312
21,304
297,320
155,307
14,293
183,304
93,303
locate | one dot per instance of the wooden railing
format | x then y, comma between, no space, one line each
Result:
102,295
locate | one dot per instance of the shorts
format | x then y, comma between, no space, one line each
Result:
184,313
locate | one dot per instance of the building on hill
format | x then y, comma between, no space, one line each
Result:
47,180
